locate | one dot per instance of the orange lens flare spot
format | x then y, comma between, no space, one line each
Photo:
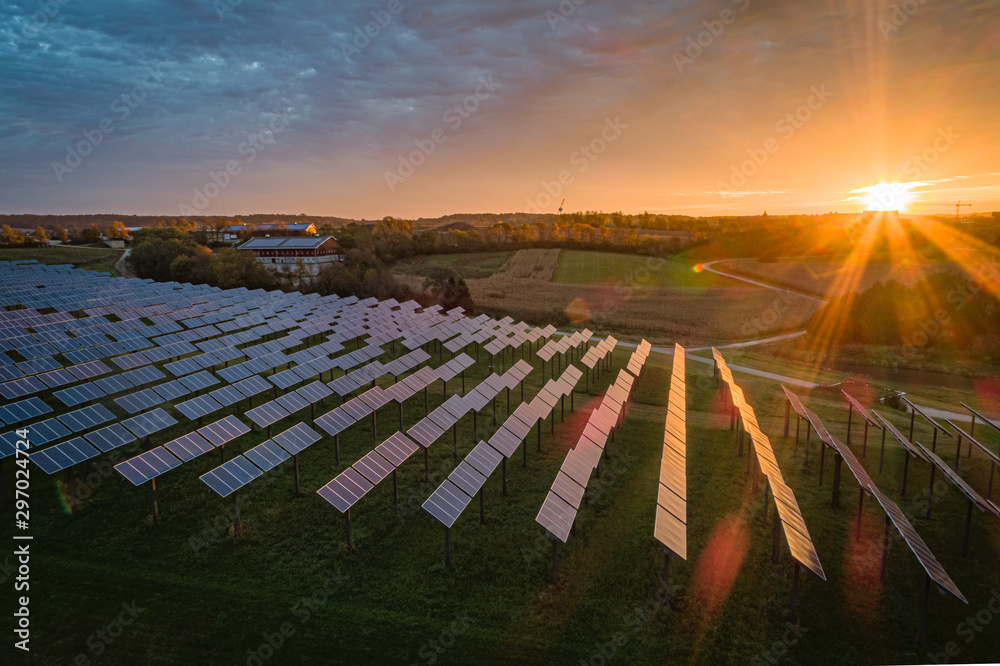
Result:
578,311
698,268
719,565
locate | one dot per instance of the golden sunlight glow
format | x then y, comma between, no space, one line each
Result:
886,196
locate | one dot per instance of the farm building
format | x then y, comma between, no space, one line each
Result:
234,231
285,251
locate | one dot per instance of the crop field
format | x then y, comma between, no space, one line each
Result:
665,301
87,258
468,265
288,592
825,278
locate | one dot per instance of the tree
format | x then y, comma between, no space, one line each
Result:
60,234
116,230
91,234
40,236
240,268
448,288
9,236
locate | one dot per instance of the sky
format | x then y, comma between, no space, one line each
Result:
420,109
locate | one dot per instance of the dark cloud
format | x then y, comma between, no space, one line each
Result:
222,69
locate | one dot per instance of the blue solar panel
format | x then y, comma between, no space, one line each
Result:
147,465
149,423
189,446
47,431
114,384
57,378
172,390
110,437
183,367
133,403
85,418
39,365
267,455
18,412
143,376
224,430
226,396
231,476
77,395
235,373
198,407
199,381
61,456
297,438
21,387
89,369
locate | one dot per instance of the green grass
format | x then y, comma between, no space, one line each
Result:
86,257
208,597
468,265
585,267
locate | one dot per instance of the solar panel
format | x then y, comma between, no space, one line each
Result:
110,437
231,476
267,456
183,367
148,465
374,467
57,378
224,430
196,408
251,386
335,421
556,516
199,381
670,528
568,490
397,448
357,409
134,403
46,431
226,396
467,478
505,442
61,456
77,395
87,417
143,376
297,438
170,391
266,414
425,432
149,423
447,503
189,446
314,392
484,458
235,373
346,489
292,402
114,384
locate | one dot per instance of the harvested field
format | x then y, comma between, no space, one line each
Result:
531,265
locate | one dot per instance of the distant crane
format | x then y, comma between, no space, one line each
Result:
957,206
564,201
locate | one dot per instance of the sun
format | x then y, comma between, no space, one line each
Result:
887,196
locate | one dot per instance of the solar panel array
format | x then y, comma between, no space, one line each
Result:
892,510
670,528
560,507
800,543
599,352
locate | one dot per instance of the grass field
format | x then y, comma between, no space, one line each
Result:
85,257
609,268
203,596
